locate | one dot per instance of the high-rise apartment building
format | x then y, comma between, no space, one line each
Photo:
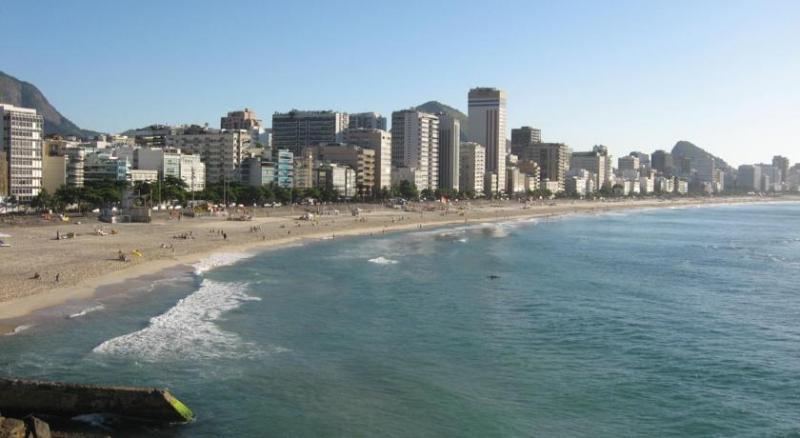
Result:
626,163
379,141
644,159
284,167
553,160
472,163
21,144
248,121
487,126
782,164
367,121
415,145
523,137
596,161
297,130
222,152
304,170
449,145
749,178
245,119
662,162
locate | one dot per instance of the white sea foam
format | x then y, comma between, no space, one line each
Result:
87,311
495,230
19,329
187,331
218,260
383,261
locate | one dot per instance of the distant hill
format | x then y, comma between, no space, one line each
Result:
438,107
24,94
690,150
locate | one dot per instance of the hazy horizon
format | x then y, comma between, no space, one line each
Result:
627,75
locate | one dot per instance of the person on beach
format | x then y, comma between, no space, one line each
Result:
58,277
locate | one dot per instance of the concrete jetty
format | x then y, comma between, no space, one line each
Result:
27,397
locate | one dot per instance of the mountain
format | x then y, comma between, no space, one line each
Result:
692,151
24,94
438,107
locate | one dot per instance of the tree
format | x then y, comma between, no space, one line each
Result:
42,201
251,195
66,195
408,190
173,188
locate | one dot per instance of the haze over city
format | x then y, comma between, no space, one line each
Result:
629,75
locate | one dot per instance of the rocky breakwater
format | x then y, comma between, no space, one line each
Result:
23,398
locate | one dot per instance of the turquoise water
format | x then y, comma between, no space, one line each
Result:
681,322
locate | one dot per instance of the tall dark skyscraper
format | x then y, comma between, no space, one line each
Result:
522,137
662,161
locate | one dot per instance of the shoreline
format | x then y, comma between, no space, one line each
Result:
15,312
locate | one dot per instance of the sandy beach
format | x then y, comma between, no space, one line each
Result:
72,269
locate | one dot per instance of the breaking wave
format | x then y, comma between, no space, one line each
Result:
87,311
19,329
218,260
383,261
187,331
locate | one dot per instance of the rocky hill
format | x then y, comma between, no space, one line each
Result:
438,107
24,94
692,151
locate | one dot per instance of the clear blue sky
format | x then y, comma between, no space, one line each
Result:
634,75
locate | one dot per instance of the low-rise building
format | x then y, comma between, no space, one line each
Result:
257,172
141,175
410,174
102,166
336,177
362,160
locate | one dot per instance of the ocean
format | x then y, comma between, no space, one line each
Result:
664,322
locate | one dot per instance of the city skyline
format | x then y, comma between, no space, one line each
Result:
625,75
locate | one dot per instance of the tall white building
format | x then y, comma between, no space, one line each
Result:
415,145
449,145
487,126
472,163
21,144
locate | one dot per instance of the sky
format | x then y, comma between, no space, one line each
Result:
632,75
